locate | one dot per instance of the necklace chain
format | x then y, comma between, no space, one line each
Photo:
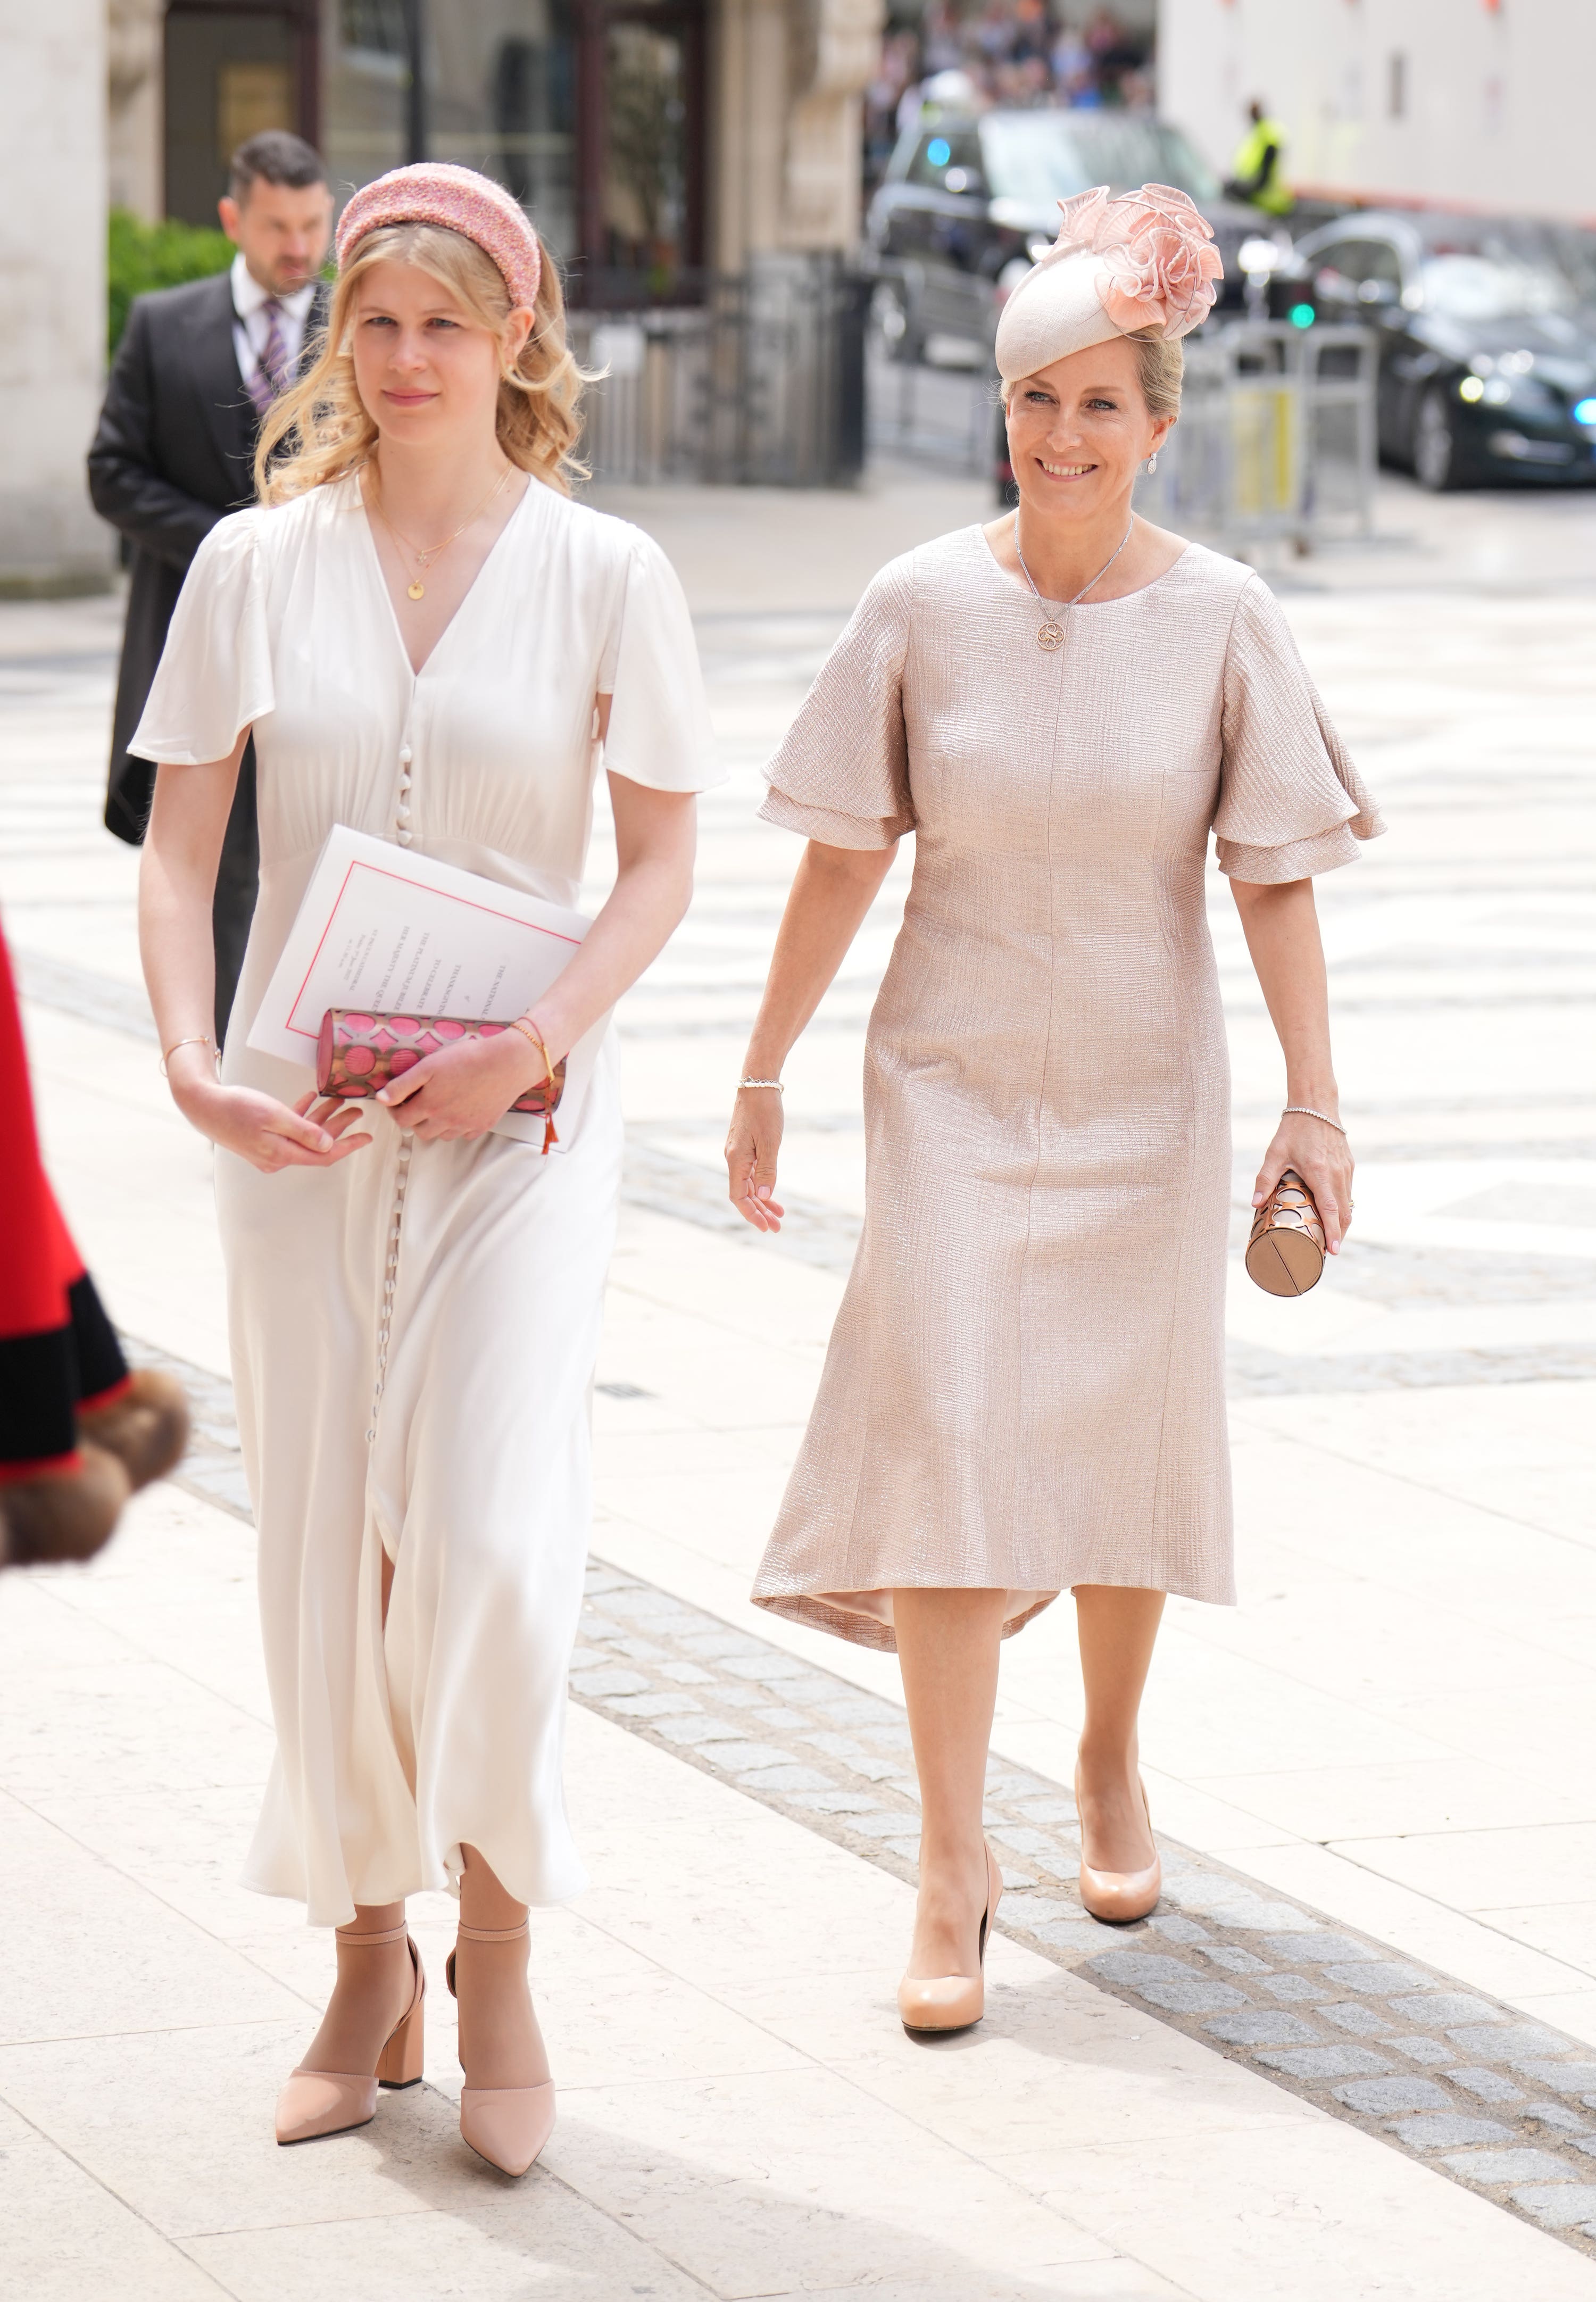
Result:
1052,634
424,558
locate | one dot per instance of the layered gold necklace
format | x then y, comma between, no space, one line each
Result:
423,557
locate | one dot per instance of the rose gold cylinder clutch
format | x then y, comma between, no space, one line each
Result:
1286,1252
358,1053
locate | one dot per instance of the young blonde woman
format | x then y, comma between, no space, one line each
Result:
432,642
1024,1392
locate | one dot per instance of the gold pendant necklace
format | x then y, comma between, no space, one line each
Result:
415,588
1050,638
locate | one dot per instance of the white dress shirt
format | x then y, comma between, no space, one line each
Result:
250,326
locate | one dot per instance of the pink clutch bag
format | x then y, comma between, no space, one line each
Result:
358,1053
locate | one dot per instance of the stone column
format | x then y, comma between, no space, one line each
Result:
835,46
51,295
135,30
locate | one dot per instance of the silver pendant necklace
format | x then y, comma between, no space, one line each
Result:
1051,637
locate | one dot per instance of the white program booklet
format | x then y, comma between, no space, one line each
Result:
396,933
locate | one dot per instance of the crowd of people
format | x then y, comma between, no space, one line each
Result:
1011,51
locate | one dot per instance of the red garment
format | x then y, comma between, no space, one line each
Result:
52,1353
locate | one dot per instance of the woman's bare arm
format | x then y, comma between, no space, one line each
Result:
1281,928
832,890
176,879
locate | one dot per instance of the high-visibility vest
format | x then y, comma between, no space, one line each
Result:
1273,193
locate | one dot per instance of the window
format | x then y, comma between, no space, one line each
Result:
1360,271
954,152
376,26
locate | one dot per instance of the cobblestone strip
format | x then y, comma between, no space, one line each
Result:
1436,2070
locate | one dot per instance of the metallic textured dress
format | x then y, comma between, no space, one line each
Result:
1025,1386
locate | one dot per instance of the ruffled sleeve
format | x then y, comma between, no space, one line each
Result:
660,732
842,776
1290,802
214,675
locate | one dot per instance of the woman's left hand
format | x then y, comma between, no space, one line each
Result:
462,1091
1323,1159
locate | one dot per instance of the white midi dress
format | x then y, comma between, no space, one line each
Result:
414,1331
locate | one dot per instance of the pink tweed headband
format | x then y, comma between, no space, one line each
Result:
458,200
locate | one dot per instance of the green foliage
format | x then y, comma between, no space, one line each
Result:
145,255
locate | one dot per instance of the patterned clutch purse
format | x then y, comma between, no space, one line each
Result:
358,1053
1286,1252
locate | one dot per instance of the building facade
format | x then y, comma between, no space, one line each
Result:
652,140
1473,102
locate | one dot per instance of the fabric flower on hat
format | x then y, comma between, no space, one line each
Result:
1164,279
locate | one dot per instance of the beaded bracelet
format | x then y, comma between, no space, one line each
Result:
1306,1111
775,1083
529,1030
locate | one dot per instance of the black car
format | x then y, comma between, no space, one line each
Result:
969,199
1487,334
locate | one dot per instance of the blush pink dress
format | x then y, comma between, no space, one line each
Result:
1025,1387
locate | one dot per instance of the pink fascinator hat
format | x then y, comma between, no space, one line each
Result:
458,200
1145,260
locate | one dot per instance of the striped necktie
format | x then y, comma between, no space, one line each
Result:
271,368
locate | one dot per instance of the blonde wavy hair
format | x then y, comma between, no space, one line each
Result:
319,430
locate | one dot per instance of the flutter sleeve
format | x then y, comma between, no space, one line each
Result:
214,675
842,776
660,732
1291,803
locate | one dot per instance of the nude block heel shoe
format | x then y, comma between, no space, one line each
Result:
1119,1897
952,2001
506,2125
318,2102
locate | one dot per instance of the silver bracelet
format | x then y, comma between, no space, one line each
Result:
775,1083
1306,1111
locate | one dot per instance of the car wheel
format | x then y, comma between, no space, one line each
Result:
890,321
1437,457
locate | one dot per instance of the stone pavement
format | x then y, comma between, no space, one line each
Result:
1391,1731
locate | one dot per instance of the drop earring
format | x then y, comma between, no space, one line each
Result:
1152,463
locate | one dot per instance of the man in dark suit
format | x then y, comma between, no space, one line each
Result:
195,372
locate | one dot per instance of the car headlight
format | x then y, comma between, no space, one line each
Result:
1584,411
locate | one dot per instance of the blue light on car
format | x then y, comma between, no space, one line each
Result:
1585,412
939,151
1302,315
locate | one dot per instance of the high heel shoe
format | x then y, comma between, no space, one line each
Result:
318,2102
506,2125
1119,1897
953,2002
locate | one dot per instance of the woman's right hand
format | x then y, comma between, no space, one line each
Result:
750,1153
312,1132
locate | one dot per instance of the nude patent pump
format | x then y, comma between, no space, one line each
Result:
506,2125
318,2102
1118,1897
953,2002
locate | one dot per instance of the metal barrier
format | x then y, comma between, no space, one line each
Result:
1276,441
760,383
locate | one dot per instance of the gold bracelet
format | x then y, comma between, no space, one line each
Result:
524,1024
193,1040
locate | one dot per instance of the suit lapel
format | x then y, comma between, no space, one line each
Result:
315,321
227,413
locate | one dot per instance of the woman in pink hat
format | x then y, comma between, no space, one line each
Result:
1025,1389
432,642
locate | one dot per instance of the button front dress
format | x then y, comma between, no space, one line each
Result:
1025,1386
413,1330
